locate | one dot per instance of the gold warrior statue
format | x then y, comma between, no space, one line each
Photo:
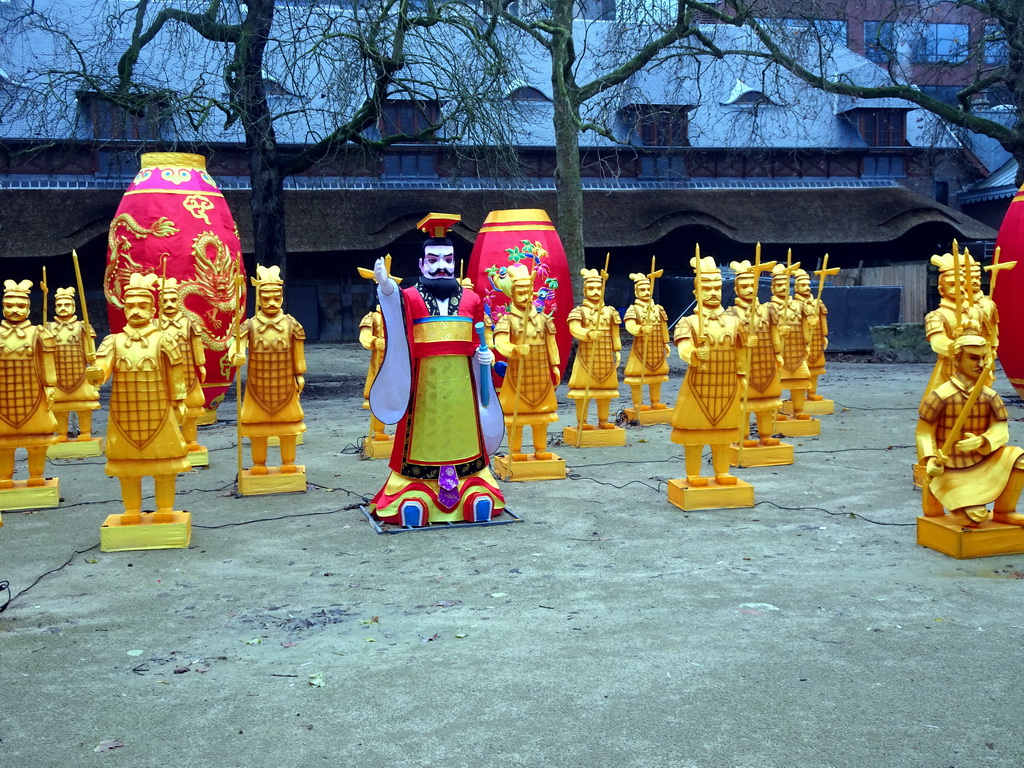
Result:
647,363
274,380
595,373
763,397
962,437
527,338
75,341
185,333
147,403
818,314
708,410
27,378
791,318
371,336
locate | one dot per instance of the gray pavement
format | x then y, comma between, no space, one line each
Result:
607,628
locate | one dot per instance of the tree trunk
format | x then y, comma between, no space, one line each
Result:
267,199
568,186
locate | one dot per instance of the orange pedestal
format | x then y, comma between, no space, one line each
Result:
176,534
200,458
812,407
945,535
21,496
275,442
530,468
711,496
378,449
798,427
594,438
761,455
76,449
275,481
646,418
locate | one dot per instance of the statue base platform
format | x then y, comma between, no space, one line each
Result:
761,455
711,496
208,418
646,418
798,427
275,481
594,438
946,535
530,468
275,442
76,449
379,526
22,496
919,475
200,458
813,407
378,449
175,534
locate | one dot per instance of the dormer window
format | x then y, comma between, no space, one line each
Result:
528,93
662,125
408,116
882,127
743,95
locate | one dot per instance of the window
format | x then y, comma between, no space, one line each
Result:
662,126
106,120
752,99
997,51
946,43
831,32
879,41
528,93
409,165
883,127
409,117
884,166
662,167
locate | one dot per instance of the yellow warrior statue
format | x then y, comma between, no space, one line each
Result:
647,363
763,396
962,437
147,403
274,379
74,343
527,338
791,317
595,325
185,333
708,410
27,379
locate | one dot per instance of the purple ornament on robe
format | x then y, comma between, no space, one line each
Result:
448,481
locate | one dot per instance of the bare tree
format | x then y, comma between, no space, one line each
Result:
590,58
295,82
981,56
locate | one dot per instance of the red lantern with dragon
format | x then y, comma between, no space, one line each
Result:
173,221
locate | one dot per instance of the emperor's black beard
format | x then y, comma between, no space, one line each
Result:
440,287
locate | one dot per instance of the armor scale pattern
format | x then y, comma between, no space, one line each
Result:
20,390
762,364
715,380
945,411
271,378
793,345
600,354
536,374
138,403
70,363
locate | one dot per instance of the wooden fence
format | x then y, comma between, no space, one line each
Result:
911,276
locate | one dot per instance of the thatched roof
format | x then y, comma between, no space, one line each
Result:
50,222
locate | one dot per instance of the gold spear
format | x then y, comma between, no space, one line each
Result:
957,289
90,342
239,313
46,290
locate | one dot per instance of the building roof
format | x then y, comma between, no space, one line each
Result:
50,222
